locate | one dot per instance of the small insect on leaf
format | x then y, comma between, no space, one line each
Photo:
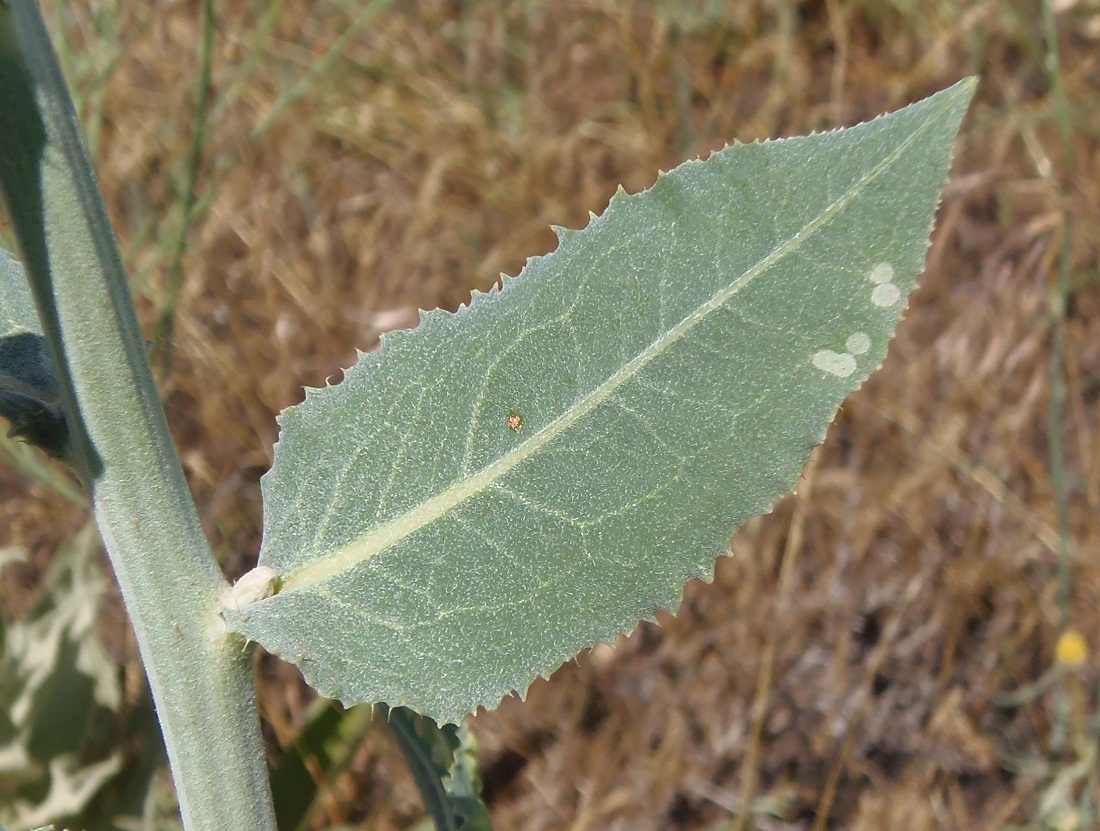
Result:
515,422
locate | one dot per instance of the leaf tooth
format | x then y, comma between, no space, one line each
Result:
477,297
618,196
506,280
387,338
428,317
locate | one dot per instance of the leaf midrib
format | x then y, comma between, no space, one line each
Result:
349,556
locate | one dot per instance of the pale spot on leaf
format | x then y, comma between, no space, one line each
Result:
857,343
885,295
882,273
835,363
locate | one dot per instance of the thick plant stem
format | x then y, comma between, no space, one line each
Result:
200,675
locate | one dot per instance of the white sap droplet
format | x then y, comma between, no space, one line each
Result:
857,343
882,273
885,294
258,584
841,365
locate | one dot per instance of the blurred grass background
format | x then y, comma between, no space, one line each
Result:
909,642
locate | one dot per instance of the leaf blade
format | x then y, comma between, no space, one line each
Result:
550,461
30,398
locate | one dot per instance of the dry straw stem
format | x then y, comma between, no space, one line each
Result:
438,151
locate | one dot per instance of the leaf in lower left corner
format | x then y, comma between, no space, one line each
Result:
29,395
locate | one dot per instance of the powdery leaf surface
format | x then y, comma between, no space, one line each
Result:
504,486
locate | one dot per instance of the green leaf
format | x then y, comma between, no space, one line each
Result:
504,486
58,687
29,396
72,787
17,312
443,763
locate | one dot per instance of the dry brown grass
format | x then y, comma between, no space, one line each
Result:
894,605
